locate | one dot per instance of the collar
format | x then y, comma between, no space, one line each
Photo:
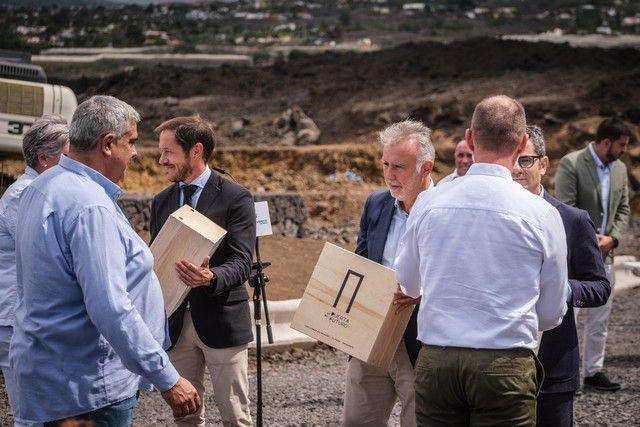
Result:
111,188
541,191
201,180
30,172
490,169
596,159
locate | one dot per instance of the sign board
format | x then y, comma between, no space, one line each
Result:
263,220
187,234
348,304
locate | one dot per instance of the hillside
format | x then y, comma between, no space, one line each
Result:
350,96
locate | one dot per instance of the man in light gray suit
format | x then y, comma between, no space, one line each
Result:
595,180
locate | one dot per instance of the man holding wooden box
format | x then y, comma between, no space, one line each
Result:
490,262
212,327
407,160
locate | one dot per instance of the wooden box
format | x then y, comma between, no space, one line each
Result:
348,304
187,234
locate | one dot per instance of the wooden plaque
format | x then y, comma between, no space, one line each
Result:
348,305
187,234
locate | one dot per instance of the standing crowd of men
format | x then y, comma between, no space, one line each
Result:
82,322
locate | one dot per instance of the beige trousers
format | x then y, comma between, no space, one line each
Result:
596,325
228,370
371,392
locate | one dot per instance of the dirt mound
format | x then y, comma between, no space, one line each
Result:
350,96
349,93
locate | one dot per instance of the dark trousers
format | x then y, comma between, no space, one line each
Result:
555,409
470,387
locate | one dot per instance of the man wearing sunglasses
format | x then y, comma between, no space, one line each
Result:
595,180
558,351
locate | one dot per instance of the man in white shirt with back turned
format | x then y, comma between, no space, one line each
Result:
479,319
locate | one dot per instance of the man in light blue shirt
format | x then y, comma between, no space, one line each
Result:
90,321
42,146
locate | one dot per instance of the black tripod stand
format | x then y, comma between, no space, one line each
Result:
257,281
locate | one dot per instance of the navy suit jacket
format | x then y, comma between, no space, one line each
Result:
374,227
559,351
220,312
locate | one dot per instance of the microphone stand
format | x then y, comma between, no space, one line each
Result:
257,281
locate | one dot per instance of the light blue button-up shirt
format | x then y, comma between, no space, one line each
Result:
396,230
200,182
90,319
604,175
8,219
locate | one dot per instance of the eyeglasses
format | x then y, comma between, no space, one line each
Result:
526,162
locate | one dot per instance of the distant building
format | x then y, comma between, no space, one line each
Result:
415,7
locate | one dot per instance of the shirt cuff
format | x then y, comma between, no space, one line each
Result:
166,378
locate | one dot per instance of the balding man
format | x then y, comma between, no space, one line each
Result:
463,157
479,319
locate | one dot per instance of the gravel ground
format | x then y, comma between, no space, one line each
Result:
305,387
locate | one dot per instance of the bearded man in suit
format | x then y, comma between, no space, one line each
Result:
212,327
407,161
594,179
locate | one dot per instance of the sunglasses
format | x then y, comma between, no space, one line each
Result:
526,162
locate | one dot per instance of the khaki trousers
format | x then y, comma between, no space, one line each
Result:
468,387
371,392
228,370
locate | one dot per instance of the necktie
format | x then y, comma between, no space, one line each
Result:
187,194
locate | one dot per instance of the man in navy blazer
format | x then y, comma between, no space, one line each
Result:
212,327
407,161
559,351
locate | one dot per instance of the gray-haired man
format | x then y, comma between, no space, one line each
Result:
407,160
90,321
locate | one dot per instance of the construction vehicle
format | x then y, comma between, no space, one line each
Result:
25,96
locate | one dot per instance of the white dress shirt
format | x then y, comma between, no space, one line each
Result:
453,175
489,259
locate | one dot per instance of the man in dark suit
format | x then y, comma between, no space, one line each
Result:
407,160
212,327
559,351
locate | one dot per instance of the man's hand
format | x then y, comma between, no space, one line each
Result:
605,243
182,398
194,276
402,301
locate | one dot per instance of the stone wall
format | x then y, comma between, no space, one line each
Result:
285,209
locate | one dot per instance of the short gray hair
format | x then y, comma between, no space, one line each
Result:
537,139
48,135
412,130
98,116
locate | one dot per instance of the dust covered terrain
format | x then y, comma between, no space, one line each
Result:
349,96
